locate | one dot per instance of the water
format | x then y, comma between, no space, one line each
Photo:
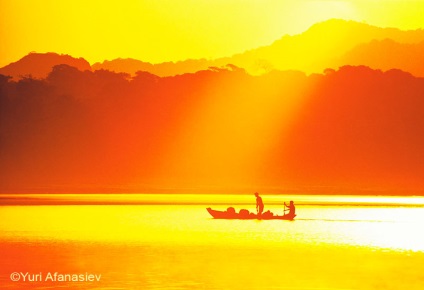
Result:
171,242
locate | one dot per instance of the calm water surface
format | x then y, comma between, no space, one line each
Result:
160,242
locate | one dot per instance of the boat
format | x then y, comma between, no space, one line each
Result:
244,214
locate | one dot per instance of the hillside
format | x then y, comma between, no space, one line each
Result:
38,65
388,54
329,44
322,46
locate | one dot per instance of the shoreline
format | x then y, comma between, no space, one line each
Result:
207,199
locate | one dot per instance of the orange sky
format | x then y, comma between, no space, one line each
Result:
168,30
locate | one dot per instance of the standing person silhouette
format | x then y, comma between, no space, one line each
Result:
259,204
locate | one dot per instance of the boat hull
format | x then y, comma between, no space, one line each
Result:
216,214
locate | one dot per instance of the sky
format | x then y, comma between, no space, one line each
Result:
167,30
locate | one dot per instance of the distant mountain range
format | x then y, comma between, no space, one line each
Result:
330,44
387,54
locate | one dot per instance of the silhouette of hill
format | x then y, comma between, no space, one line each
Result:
324,45
320,47
258,122
38,65
131,66
388,54
329,44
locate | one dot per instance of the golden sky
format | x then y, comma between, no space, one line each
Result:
169,30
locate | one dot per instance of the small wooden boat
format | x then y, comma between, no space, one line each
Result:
244,214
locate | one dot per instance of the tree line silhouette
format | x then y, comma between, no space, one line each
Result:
351,129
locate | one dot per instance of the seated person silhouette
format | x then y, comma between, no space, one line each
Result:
291,208
259,204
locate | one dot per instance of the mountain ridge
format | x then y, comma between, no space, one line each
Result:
281,52
328,44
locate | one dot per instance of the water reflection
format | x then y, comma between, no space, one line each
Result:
381,227
182,247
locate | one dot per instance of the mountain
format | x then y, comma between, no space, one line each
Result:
131,66
329,44
388,54
321,46
344,129
38,65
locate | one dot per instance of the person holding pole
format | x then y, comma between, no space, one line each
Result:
291,208
259,204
